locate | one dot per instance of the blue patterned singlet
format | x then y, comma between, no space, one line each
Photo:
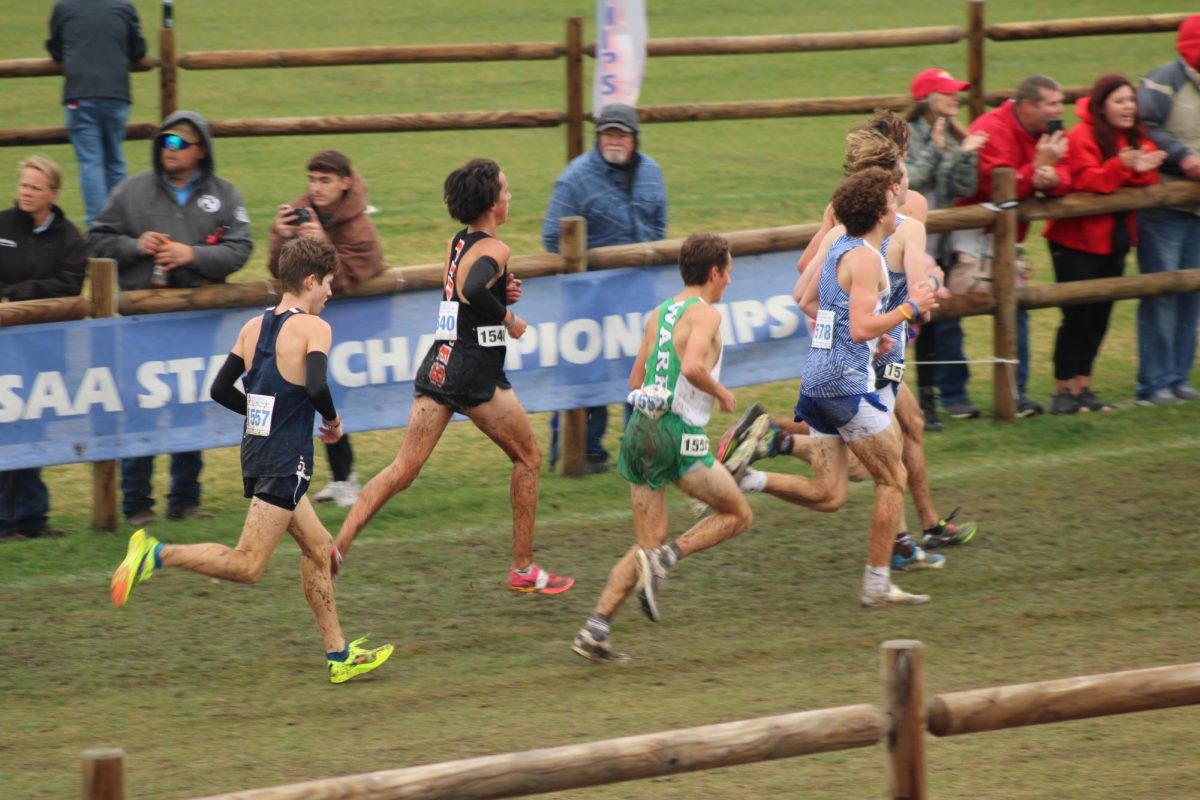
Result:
843,369
898,283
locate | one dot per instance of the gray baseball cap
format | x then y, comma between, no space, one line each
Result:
619,116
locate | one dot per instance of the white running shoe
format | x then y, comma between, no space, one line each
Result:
344,493
894,596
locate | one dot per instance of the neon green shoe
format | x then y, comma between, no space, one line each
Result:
360,661
138,566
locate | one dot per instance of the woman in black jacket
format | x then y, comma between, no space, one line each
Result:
41,255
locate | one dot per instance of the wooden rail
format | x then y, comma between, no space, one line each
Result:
387,54
975,34
900,724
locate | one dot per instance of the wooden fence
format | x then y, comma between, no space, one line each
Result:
975,35
900,724
1001,305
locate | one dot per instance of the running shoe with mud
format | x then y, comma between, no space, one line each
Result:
360,661
946,533
759,441
597,650
137,567
539,581
732,438
894,596
652,571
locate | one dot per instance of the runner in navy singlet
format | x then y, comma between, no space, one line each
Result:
283,354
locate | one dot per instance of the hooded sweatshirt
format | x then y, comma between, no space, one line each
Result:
1091,172
351,233
213,220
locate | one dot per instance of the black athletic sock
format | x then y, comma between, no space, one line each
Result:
904,545
671,554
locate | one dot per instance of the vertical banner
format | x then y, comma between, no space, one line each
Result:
620,52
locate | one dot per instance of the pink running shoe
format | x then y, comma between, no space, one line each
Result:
540,581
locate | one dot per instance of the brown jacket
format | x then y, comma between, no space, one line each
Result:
352,234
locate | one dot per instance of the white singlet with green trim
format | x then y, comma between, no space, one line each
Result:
664,367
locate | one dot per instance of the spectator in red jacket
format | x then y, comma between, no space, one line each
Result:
1107,150
1024,134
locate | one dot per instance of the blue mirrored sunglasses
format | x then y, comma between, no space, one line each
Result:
175,142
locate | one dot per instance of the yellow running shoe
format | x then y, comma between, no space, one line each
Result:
360,661
138,566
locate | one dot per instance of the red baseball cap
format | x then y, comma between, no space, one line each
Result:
935,80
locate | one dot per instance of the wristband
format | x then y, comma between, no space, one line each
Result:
511,323
936,283
904,312
916,309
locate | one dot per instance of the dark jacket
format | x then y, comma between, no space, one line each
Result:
36,265
213,221
95,41
352,234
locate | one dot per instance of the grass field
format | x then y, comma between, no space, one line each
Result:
1087,561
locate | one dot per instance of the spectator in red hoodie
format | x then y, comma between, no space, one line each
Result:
1107,150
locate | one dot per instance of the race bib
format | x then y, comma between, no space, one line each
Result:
652,401
492,336
694,445
259,408
447,324
822,335
894,372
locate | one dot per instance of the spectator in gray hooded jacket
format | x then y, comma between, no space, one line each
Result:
174,225
177,224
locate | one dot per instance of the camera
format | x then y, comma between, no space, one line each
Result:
301,216
1054,126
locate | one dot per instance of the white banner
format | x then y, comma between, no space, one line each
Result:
620,52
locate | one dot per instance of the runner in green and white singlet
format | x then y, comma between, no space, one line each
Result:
659,451
675,379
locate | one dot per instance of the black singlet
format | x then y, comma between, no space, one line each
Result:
466,371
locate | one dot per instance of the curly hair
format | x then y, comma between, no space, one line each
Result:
860,200
887,124
471,189
866,148
301,257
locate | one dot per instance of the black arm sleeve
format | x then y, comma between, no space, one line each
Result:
316,386
224,389
475,289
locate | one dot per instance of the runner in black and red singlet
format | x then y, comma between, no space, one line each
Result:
464,371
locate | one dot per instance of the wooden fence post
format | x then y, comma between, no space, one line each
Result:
574,87
1004,288
103,774
168,65
572,429
976,36
904,703
104,473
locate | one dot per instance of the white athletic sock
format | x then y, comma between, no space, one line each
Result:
753,481
876,580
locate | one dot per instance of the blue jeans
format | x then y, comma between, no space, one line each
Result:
1166,325
24,501
97,130
951,379
597,424
185,483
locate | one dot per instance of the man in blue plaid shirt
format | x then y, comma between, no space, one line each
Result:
620,192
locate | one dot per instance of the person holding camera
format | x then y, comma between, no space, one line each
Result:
1025,134
334,209
174,225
